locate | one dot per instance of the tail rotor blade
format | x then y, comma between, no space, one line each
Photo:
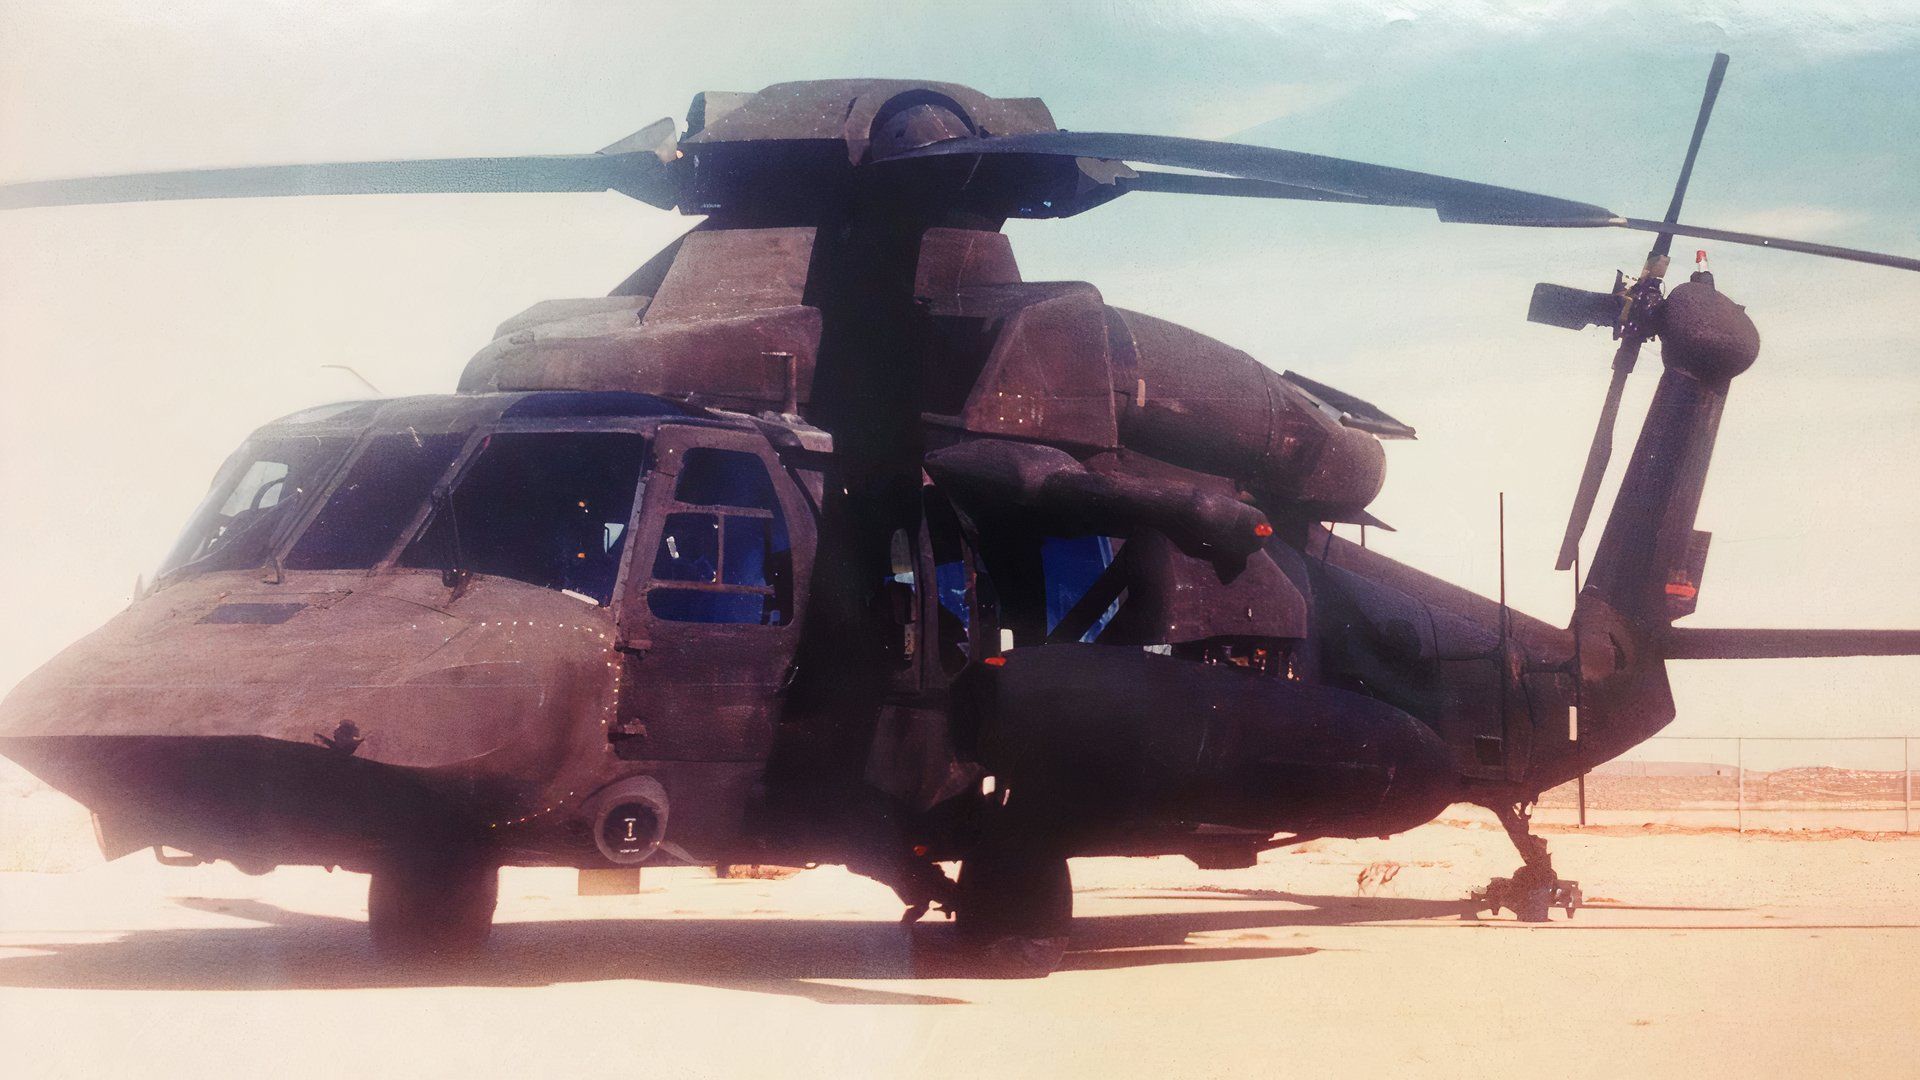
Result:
1715,75
1598,455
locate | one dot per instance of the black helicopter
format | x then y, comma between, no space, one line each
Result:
825,537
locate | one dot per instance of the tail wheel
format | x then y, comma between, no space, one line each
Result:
1015,905
432,909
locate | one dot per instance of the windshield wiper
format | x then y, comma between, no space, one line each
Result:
454,574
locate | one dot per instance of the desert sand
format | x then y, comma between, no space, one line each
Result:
1700,955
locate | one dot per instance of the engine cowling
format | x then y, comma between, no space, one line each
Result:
1196,402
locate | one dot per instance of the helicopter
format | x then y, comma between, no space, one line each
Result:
825,537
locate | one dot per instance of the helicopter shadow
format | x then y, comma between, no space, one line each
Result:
1401,913
1338,910
290,950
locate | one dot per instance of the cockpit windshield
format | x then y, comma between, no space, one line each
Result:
257,498
546,507
382,494
550,508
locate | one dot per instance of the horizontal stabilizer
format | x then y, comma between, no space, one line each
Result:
660,138
1701,643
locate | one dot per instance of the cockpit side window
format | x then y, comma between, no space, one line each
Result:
714,477
256,499
724,555
549,508
381,494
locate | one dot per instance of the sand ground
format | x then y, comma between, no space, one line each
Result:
1702,955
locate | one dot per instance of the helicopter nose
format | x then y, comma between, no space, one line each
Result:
367,677
257,801
314,734
437,717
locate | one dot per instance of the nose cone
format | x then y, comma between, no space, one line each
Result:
361,663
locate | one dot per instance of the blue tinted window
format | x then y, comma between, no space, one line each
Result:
744,548
951,579
749,548
689,549
1071,564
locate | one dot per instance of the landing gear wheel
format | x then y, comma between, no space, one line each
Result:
1014,908
1534,889
1530,900
1531,903
432,909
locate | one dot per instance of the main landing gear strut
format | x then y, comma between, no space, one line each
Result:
1533,890
1013,904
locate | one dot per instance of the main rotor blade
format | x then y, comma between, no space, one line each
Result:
1731,236
1715,643
1196,184
639,174
1598,456
1461,201
1454,200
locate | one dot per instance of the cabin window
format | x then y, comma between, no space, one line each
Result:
899,600
549,508
383,489
723,555
958,584
1071,565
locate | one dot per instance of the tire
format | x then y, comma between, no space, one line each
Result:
429,909
1015,908
1532,905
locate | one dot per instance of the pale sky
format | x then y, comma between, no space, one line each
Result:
142,342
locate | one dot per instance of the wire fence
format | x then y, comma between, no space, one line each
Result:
1748,783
